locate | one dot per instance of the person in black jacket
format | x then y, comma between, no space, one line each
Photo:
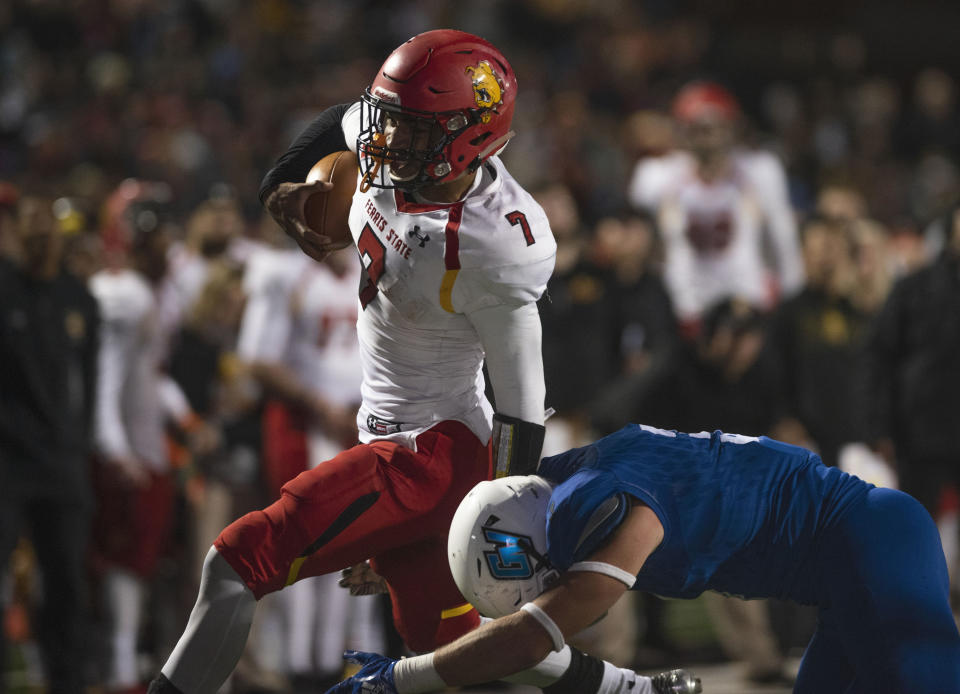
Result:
914,374
48,346
817,339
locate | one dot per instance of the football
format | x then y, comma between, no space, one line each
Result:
328,212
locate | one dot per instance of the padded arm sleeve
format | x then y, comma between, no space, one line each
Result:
511,338
322,137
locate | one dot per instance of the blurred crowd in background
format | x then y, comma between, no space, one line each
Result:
820,145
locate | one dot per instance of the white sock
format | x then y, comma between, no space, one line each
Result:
125,601
622,681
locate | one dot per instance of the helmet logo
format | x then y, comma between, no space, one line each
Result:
508,561
487,88
386,95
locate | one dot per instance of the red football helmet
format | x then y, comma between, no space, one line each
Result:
699,100
130,214
440,105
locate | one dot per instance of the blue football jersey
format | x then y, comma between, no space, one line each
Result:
740,515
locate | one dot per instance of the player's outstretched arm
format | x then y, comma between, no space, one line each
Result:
581,597
533,638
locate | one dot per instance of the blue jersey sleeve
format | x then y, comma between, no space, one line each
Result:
558,468
584,512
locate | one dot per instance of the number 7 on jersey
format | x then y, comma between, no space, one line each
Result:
519,218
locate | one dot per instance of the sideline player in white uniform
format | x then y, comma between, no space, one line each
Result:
214,230
714,202
299,337
456,255
134,487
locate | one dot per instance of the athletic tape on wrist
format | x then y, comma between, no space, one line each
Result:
610,570
552,629
417,674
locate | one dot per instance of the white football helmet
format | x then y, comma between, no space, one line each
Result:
498,544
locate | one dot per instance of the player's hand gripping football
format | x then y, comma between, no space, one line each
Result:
286,204
374,677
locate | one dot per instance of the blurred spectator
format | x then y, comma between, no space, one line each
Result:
9,245
214,230
817,338
932,121
202,363
840,202
874,268
914,375
83,250
714,202
49,331
722,380
645,325
579,316
134,484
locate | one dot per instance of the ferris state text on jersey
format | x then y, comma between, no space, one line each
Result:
493,247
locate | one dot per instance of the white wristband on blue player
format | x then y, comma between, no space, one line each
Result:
551,627
600,567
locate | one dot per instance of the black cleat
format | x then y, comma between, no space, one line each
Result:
676,682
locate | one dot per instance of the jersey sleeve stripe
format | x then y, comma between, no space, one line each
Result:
451,253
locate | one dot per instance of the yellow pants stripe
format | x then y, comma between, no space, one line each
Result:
456,611
294,570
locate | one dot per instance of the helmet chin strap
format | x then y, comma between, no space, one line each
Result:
491,148
379,141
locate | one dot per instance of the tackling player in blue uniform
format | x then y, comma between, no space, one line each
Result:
677,514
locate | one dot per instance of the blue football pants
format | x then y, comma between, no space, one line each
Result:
885,623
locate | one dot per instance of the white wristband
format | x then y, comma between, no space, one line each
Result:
552,629
417,674
610,570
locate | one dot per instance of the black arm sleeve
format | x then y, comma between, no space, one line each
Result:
322,137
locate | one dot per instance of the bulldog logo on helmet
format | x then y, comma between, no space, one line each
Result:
487,88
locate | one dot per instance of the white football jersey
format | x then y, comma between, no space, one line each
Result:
713,232
129,416
427,266
302,314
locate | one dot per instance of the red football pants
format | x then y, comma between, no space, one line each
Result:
131,525
378,501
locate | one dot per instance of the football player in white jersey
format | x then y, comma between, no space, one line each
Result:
135,491
456,255
714,202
